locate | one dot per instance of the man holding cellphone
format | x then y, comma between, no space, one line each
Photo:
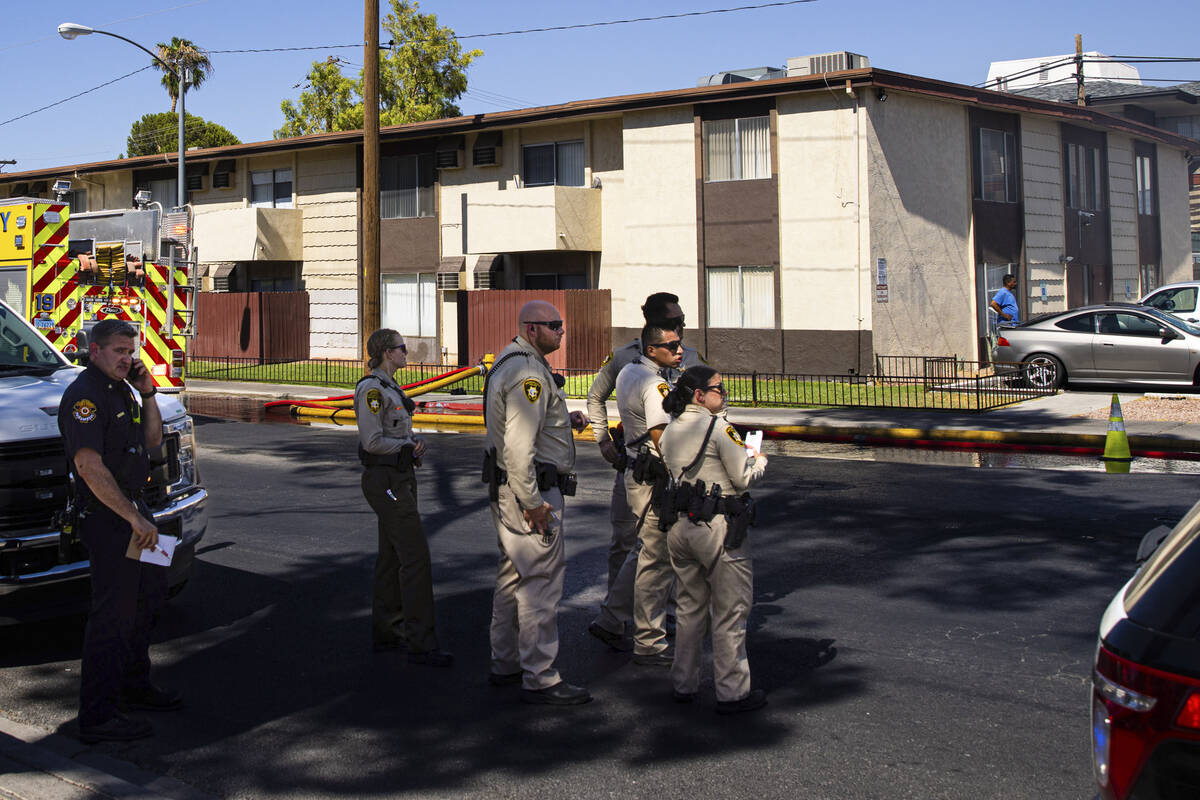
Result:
107,432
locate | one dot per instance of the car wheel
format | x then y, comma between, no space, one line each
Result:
1044,371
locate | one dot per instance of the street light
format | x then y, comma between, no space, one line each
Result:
69,30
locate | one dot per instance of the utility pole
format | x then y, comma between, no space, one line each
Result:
1080,95
370,201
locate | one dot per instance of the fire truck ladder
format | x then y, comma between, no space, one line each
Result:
177,236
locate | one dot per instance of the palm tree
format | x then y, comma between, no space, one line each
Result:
194,60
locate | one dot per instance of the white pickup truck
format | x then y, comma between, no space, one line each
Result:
42,572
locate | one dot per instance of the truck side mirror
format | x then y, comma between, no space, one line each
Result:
82,353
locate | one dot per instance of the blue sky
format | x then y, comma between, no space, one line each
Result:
952,41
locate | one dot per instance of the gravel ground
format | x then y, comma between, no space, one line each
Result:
1154,409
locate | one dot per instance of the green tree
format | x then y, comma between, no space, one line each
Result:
159,133
182,52
421,75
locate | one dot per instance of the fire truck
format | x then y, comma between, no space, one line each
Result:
69,271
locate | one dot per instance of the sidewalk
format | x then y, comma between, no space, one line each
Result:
1055,421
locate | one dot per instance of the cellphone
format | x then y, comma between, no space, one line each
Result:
137,369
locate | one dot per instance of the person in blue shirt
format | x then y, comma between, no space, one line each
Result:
1004,303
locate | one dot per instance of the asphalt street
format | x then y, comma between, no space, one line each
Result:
923,631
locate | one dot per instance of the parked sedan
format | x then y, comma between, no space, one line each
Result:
1146,681
1114,342
1178,299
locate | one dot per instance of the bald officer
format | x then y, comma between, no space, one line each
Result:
661,309
530,456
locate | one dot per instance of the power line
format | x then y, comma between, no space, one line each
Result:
108,24
80,94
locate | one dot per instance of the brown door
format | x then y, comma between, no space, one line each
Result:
1077,287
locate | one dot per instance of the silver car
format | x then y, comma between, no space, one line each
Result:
1114,342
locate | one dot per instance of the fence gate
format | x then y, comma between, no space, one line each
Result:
491,322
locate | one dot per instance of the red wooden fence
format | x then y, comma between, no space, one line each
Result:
491,323
272,326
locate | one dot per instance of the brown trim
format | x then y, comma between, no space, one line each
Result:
773,124
855,79
701,278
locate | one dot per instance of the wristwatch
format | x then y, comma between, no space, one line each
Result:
149,394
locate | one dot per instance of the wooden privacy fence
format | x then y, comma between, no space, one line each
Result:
491,323
270,326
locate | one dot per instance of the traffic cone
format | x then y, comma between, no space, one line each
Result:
1116,443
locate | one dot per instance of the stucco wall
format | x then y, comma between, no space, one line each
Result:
325,184
1173,189
920,203
1042,185
659,210
1122,202
822,286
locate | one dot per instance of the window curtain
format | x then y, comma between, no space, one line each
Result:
758,297
538,165
568,160
719,147
754,144
283,188
401,304
724,298
428,305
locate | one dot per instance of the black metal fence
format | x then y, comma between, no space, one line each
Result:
936,383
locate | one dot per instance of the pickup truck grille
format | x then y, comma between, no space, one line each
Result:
33,484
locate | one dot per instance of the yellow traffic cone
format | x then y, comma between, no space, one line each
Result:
1116,443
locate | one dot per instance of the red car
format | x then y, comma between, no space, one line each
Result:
1146,682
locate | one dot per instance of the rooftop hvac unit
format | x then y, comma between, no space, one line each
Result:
826,62
743,75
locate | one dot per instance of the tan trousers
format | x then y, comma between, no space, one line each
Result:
643,585
529,584
624,528
709,576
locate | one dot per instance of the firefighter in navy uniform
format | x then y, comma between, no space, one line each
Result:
707,512
106,432
402,610
661,309
527,466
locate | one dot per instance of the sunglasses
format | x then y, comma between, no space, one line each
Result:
403,348
720,387
672,346
554,324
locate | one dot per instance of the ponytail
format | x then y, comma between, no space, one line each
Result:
693,378
377,343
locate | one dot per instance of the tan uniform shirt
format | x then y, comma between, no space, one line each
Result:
384,425
527,420
725,462
641,387
606,380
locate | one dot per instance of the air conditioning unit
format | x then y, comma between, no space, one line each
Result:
826,62
448,280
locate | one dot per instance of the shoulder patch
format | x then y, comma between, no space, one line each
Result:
733,434
663,389
374,400
84,411
607,360
532,388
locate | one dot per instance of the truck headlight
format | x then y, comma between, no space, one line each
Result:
186,455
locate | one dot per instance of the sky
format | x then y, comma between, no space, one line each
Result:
951,40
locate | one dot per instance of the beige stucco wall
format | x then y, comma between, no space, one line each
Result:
608,166
1122,204
822,284
105,191
1173,185
919,177
250,234
1042,188
324,182
658,229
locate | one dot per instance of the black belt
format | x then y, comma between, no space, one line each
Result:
400,460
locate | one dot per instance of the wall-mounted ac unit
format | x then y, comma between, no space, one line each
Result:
826,62
448,152
448,280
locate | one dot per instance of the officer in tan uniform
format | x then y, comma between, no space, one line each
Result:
643,584
662,309
708,545
528,465
402,609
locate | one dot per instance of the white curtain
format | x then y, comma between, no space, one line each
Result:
428,308
724,298
719,149
401,304
758,297
754,140
568,158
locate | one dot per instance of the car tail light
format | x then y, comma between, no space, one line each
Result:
1002,342
1133,709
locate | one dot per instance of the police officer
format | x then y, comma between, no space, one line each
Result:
402,608
530,456
662,309
715,579
644,581
106,433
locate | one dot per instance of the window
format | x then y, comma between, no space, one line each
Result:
557,164
410,304
741,297
163,192
1175,300
1084,323
1145,185
553,280
77,200
406,186
1151,275
997,166
1083,178
1128,325
737,149
271,188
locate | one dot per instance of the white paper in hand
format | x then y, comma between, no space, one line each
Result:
753,442
162,553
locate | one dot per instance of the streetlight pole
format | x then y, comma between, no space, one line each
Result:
69,30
